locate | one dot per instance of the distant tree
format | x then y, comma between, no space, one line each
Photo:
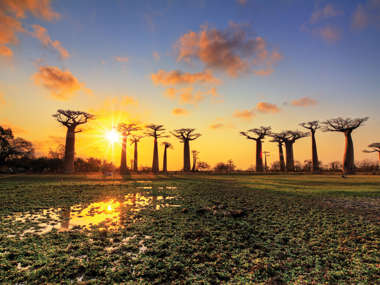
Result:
186,135
165,161
58,153
276,166
367,165
346,126
221,167
335,165
231,165
279,138
203,165
125,131
258,134
290,137
313,126
195,159
13,148
135,140
373,147
71,120
156,131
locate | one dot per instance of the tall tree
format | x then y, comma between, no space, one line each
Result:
373,147
346,126
125,131
135,140
279,138
186,135
290,137
313,126
71,120
195,159
155,131
258,134
165,161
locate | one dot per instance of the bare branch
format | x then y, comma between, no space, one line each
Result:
259,132
343,125
185,134
156,131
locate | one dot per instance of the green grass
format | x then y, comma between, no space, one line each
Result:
234,229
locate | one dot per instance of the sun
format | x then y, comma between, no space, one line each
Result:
112,136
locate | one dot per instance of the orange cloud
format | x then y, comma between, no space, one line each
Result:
265,107
230,50
5,51
367,14
62,84
216,126
244,114
11,13
329,34
121,59
178,77
242,2
42,34
186,96
156,56
170,93
304,102
179,111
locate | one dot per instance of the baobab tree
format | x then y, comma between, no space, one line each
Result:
186,135
165,161
373,147
195,159
155,131
135,140
125,131
346,126
259,135
290,137
71,120
279,138
313,126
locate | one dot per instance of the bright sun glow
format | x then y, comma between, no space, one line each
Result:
112,136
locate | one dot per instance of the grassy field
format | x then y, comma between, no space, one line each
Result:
190,229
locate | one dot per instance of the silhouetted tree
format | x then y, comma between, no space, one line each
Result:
135,140
165,162
155,131
195,158
203,165
290,137
373,147
345,126
279,138
312,126
125,130
260,134
58,153
71,120
186,135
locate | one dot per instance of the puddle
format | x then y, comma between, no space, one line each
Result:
110,214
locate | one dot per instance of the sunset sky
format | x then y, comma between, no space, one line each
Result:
218,66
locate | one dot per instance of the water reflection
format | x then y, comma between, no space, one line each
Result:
110,214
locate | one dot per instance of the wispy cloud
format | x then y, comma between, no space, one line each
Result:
328,11
304,102
61,84
156,56
180,112
41,33
175,77
121,59
244,114
11,14
367,14
265,107
329,34
231,50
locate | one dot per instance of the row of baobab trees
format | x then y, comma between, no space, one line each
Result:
72,119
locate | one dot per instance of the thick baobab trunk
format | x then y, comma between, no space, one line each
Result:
165,162
123,162
186,156
194,164
314,153
155,167
289,156
259,156
135,162
69,150
348,159
282,161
